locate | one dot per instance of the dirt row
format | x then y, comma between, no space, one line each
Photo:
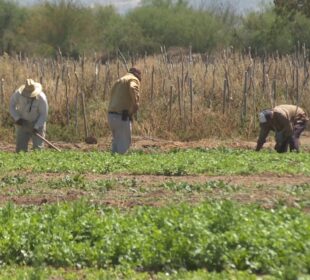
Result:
148,190
150,144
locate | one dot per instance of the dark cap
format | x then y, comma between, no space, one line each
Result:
135,71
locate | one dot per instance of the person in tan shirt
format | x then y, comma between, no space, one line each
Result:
287,121
124,104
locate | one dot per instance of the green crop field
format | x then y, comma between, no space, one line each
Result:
183,214
191,199
220,161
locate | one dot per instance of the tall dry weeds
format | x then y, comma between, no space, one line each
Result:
191,97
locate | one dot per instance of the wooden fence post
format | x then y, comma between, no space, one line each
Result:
67,89
170,106
56,88
211,93
2,100
84,114
152,83
244,101
224,96
191,98
179,96
297,85
274,93
106,82
97,70
76,103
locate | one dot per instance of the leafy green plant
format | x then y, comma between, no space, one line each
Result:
299,189
219,236
27,273
212,162
207,186
78,181
12,180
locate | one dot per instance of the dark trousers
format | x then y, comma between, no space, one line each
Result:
293,141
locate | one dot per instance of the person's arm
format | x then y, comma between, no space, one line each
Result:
288,130
264,131
43,112
135,95
13,101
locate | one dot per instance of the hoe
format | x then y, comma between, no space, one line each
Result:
47,142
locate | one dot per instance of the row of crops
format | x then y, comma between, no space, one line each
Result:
217,236
174,163
193,234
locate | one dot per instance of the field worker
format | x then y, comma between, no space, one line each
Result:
124,103
287,121
29,109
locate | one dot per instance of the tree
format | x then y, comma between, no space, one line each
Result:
165,3
182,26
289,8
106,19
62,25
11,17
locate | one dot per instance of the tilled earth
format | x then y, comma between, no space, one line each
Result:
151,144
125,191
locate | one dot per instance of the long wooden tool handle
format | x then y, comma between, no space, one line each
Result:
47,142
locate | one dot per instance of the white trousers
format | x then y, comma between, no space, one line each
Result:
24,134
121,133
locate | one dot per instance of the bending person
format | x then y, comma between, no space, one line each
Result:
287,121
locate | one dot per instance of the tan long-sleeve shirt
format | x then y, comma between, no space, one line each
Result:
283,120
125,95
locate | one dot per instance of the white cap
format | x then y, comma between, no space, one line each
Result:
262,117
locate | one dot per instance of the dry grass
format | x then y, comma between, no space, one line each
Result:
215,96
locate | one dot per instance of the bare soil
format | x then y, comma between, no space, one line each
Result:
150,144
149,190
